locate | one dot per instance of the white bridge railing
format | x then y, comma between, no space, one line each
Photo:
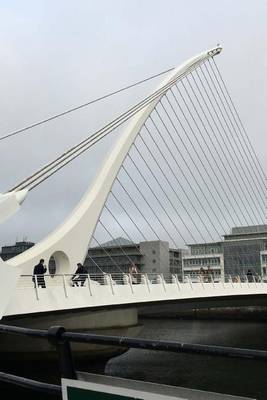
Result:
91,282
48,293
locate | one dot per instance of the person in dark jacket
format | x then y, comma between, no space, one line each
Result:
250,276
79,276
39,270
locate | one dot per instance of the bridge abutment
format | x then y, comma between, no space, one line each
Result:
118,322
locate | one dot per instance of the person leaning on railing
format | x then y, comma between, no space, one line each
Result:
79,276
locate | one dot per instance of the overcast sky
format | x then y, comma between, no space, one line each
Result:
58,54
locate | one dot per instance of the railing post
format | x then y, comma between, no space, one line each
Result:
231,280
163,282
190,281
111,284
130,282
201,281
254,280
63,350
177,282
64,285
212,280
222,280
89,284
146,277
36,287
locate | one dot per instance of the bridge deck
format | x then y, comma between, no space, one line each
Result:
103,291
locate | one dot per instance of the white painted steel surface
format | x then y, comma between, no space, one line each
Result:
60,295
69,242
9,277
10,203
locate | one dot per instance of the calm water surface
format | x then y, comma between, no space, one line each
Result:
225,375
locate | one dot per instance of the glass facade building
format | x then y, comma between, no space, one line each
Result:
242,249
245,248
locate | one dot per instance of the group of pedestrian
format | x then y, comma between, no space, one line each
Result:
78,279
206,274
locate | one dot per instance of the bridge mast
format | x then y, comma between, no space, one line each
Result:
69,242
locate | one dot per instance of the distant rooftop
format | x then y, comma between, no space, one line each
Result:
120,241
249,229
21,243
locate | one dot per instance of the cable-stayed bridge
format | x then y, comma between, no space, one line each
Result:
182,170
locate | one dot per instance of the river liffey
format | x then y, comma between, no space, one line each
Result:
243,377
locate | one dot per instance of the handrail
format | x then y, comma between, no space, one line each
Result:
119,287
39,386
112,279
149,274
59,333
60,338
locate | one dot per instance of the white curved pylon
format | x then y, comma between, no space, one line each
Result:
9,276
69,242
10,203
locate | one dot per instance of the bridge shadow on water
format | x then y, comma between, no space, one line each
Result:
243,377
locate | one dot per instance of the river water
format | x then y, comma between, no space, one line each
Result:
225,375
242,377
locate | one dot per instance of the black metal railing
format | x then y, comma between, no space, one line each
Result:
61,339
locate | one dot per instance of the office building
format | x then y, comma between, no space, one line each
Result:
245,248
150,257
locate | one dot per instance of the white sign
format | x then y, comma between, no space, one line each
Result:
101,387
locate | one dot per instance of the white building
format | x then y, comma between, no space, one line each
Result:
207,258
150,257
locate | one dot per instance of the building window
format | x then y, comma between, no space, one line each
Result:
52,266
154,261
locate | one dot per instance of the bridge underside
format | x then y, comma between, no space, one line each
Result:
164,307
176,307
